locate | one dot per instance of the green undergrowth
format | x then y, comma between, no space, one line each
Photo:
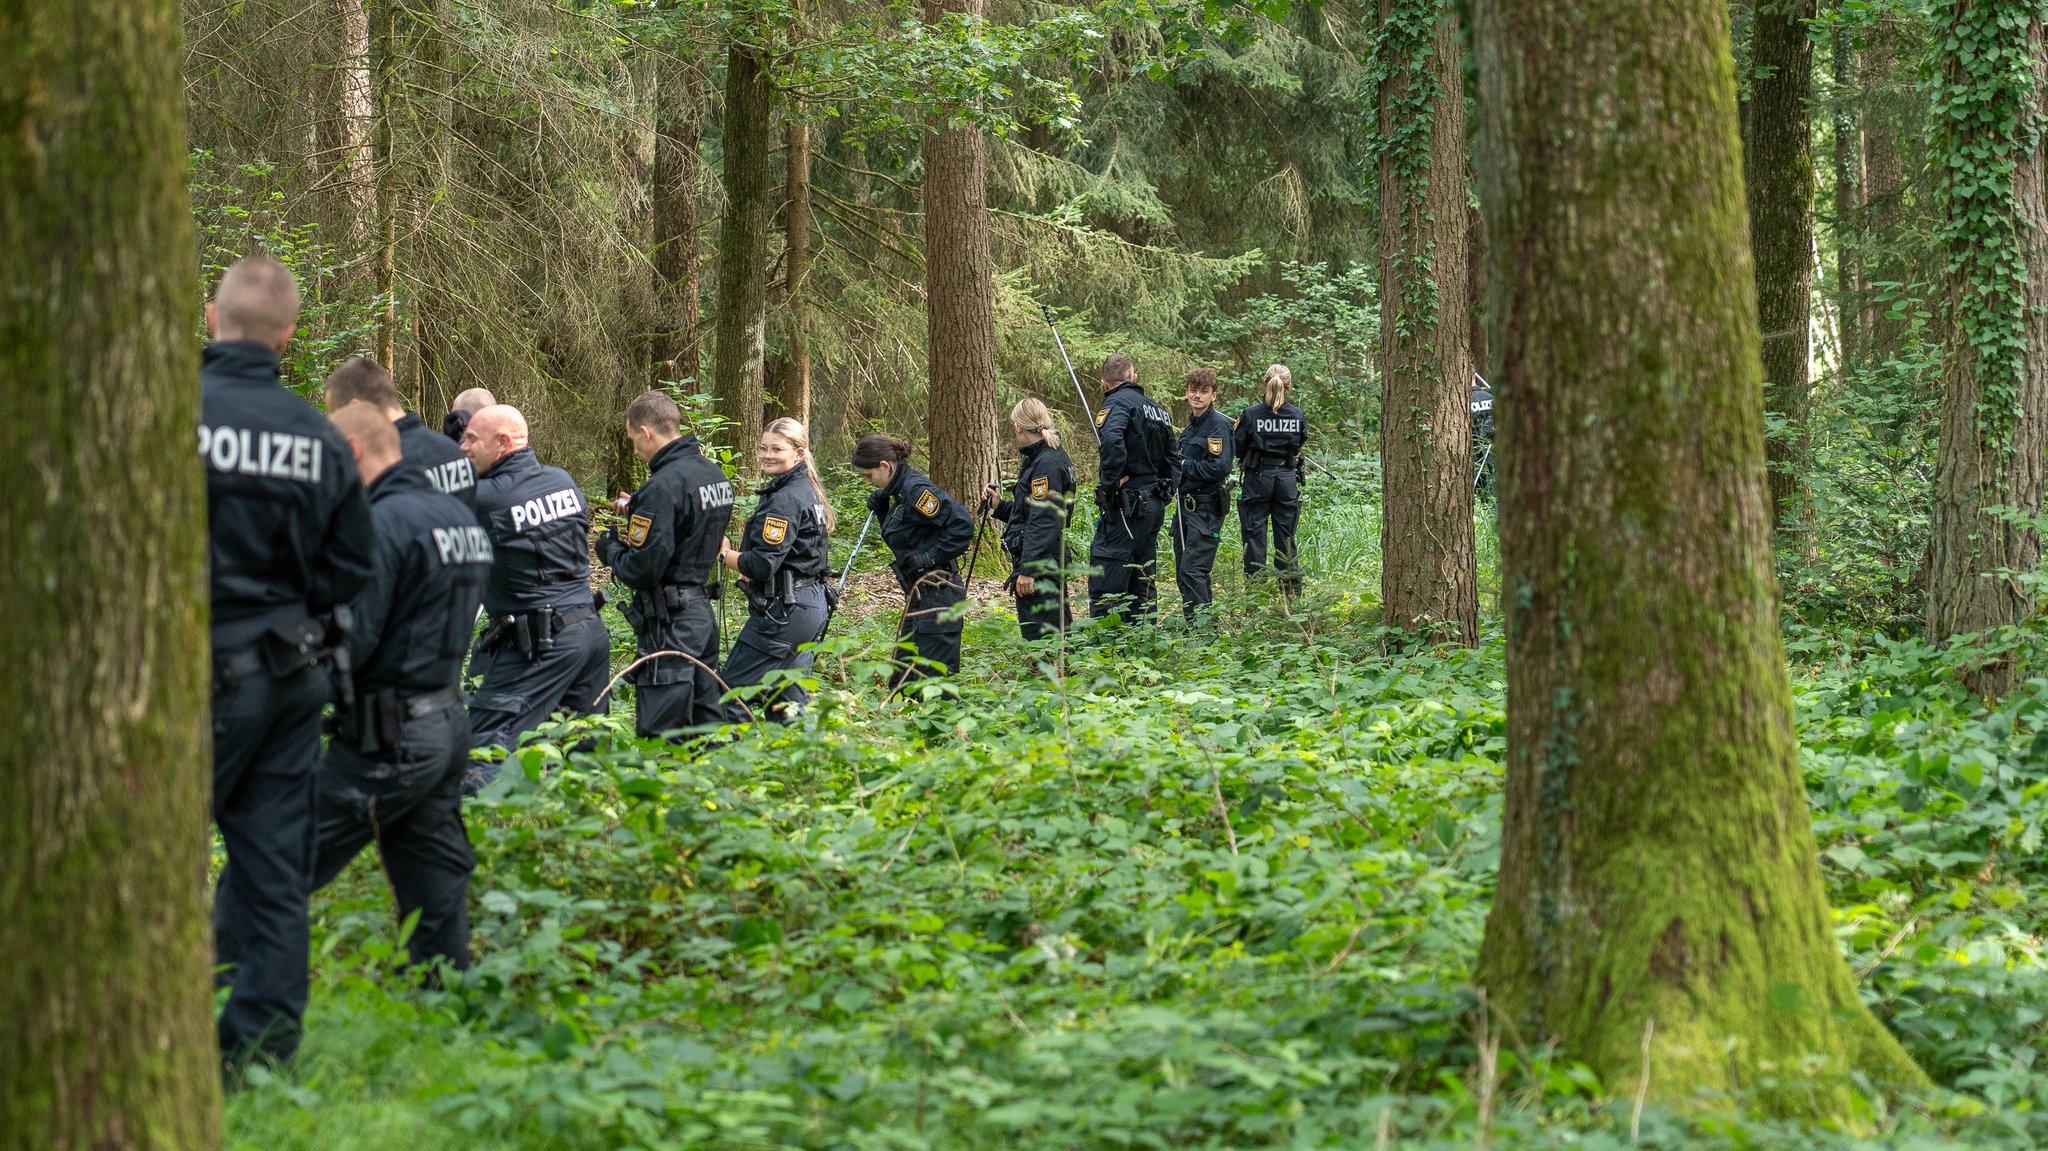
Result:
1209,890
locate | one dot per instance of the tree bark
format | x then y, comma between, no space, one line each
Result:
1994,415
960,292
743,246
1428,573
1778,165
678,214
1848,157
793,382
344,179
384,78
1884,180
108,1043
1659,906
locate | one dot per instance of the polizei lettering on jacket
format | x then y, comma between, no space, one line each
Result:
451,477
718,495
272,455
1158,415
471,545
547,509
1276,425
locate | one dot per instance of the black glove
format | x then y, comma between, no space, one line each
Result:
454,424
878,502
920,561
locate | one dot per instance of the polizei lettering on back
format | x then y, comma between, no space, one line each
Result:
718,495
451,477
1284,426
547,509
272,455
470,545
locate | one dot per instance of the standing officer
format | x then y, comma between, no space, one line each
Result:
927,531
1481,407
292,540
1205,452
393,772
781,562
1134,478
435,456
675,528
1270,436
1035,521
545,647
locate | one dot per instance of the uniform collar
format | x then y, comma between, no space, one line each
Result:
408,422
243,360
670,452
513,462
777,483
397,480
1033,450
899,480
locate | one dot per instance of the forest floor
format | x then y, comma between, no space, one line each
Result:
1219,889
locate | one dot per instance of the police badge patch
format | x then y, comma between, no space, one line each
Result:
1101,416
1215,445
637,529
1041,487
774,530
928,502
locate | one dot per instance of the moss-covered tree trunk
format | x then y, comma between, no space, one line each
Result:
743,246
1778,167
678,213
1428,572
1994,403
960,294
793,382
1658,879
105,766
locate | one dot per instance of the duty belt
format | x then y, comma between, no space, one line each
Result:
377,723
283,650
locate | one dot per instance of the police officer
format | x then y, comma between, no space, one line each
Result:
437,457
393,772
781,562
1481,408
1035,521
292,541
927,531
1270,436
675,528
1205,451
1134,435
545,647
466,405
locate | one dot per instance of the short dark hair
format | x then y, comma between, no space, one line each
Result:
657,411
1201,378
1115,367
362,378
873,449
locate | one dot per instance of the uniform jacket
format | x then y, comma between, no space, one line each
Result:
785,533
1481,406
438,458
924,527
674,524
1135,436
1268,440
414,619
1035,517
539,526
1207,445
289,525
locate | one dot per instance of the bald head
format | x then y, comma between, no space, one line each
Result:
492,433
372,438
474,400
257,301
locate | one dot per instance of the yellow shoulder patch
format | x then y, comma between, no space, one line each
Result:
637,529
774,529
928,502
1215,445
1233,425
1101,414
1041,487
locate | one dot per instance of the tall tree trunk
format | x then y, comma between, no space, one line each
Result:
793,382
1428,573
960,294
1659,906
1778,164
678,210
1884,180
103,800
1994,404
1475,290
434,70
344,178
743,246
384,52
1848,132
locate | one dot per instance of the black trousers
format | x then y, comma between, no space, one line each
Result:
671,694
518,694
1274,496
1042,613
1197,532
408,801
932,637
1124,556
266,757
773,640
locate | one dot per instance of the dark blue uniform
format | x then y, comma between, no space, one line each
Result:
438,458
1206,450
782,569
674,527
291,540
393,772
544,646
1134,479
1481,407
1035,535
1269,447
927,531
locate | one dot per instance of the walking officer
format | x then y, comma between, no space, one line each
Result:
545,647
393,772
1134,478
675,528
426,451
1206,449
292,541
1481,408
1270,436
1035,521
781,562
927,531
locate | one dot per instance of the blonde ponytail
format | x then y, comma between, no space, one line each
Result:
800,439
1278,382
1031,415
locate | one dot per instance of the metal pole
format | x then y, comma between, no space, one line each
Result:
1071,374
